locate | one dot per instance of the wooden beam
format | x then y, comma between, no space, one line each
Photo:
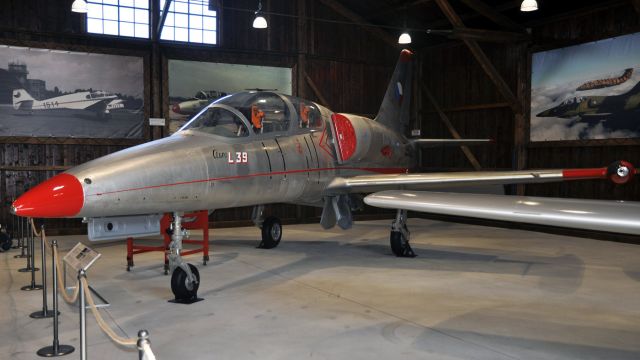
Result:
349,14
482,58
493,15
474,107
636,5
316,91
35,168
456,135
395,7
473,14
488,35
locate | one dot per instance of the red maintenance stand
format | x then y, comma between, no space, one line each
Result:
198,220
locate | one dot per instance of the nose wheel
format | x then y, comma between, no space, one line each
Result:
182,286
185,278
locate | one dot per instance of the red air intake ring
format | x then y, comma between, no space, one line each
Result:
621,172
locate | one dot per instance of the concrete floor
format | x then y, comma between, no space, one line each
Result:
472,293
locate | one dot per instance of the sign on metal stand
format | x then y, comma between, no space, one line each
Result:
80,258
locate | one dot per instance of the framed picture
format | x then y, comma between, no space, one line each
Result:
588,91
64,94
194,85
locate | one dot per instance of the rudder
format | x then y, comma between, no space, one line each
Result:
395,108
22,100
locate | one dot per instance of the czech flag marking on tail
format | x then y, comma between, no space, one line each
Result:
399,92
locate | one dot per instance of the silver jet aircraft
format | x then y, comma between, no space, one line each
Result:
256,148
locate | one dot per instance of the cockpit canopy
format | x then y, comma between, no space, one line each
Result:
262,112
573,100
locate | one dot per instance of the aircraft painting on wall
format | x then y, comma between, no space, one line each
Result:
587,91
260,147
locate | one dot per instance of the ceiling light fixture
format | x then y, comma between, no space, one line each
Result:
79,6
529,5
404,38
259,22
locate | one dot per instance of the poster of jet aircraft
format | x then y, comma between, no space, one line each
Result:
261,147
211,81
84,95
587,91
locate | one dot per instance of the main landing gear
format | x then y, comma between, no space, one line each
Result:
185,278
400,235
271,228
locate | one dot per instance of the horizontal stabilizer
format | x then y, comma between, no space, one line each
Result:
450,142
600,215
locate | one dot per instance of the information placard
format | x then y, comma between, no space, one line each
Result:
81,257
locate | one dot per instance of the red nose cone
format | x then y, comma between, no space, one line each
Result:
60,196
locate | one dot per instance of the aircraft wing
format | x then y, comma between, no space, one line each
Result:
601,215
618,172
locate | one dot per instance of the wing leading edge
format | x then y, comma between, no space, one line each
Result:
600,215
619,172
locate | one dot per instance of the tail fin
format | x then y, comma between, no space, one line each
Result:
22,100
394,111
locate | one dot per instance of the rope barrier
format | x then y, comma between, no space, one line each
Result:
33,227
63,291
65,295
103,325
71,298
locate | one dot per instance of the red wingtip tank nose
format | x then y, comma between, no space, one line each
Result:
60,196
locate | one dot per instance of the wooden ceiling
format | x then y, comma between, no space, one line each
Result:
496,15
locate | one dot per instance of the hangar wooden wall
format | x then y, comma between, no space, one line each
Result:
343,66
476,108
347,65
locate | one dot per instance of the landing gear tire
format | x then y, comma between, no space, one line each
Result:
400,246
182,289
271,233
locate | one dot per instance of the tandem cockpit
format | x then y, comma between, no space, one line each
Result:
254,114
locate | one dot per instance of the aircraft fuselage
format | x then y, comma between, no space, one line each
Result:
194,170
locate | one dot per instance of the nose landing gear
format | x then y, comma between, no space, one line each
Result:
185,278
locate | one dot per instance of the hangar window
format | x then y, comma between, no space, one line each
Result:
191,21
118,17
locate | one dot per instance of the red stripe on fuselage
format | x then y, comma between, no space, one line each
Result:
236,177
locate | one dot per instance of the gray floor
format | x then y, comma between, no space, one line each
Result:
472,293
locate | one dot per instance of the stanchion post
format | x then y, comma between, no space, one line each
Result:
27,239
44,313
32,264
83,316
14,234
20,232
143,339
56,349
